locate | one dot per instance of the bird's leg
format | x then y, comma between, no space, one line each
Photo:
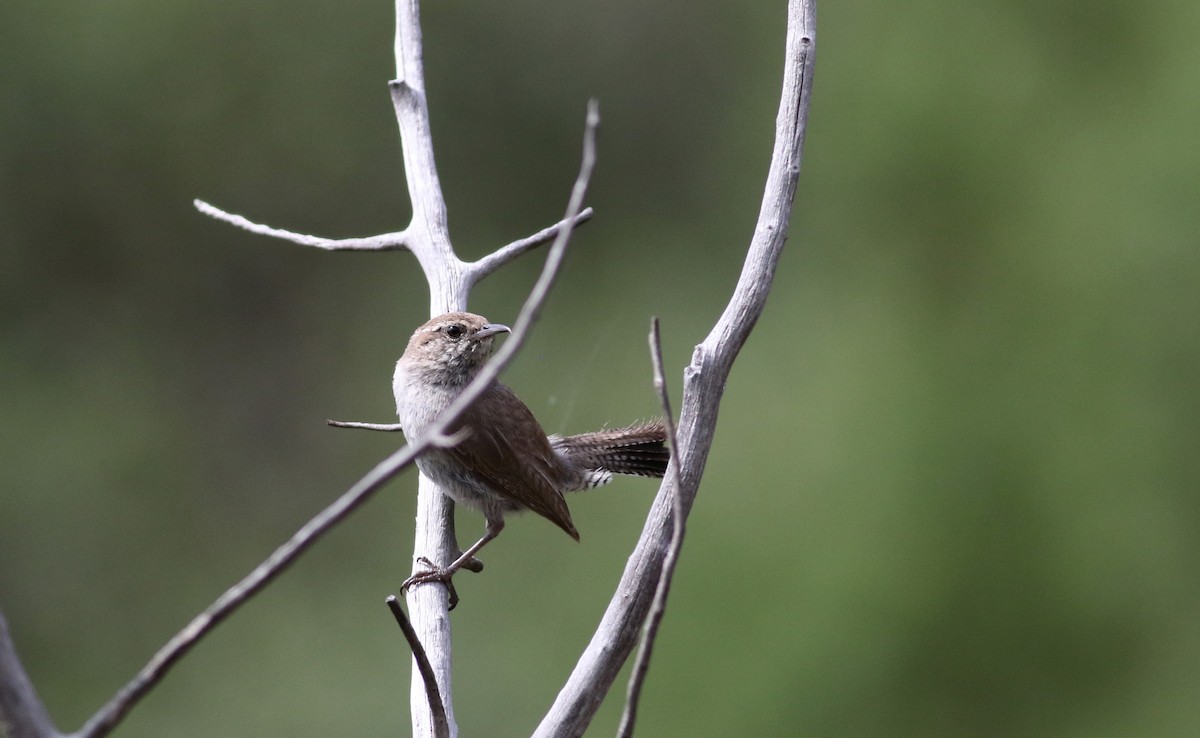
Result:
467,560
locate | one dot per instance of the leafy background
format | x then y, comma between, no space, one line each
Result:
953,490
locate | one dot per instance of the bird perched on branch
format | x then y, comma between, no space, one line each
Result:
504,462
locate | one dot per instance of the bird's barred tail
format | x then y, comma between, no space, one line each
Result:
639,450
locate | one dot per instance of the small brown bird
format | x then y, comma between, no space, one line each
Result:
506,462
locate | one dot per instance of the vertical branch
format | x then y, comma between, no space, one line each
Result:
429,224
428,609
429,241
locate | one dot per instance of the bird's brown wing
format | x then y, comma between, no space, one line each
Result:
491,451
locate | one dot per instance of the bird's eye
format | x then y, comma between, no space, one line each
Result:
455,330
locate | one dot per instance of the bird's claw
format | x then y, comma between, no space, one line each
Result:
433,574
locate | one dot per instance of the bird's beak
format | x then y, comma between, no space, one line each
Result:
491,329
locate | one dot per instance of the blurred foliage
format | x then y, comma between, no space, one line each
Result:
954,484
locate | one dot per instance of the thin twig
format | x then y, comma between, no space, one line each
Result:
660,387
441,728
382,242
440,440
641,664
388,427
501,256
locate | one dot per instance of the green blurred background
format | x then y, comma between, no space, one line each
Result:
953,490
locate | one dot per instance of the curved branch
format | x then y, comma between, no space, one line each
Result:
704,384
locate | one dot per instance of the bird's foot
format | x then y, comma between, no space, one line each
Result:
433,574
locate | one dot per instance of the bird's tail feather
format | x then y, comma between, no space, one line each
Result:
639,450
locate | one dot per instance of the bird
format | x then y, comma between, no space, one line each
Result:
503,461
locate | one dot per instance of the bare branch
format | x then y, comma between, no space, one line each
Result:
433,536
704,384
388,427
641,664
441,728
382,242
501,256
22,714
429,221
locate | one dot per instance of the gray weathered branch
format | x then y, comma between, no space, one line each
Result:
382,242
